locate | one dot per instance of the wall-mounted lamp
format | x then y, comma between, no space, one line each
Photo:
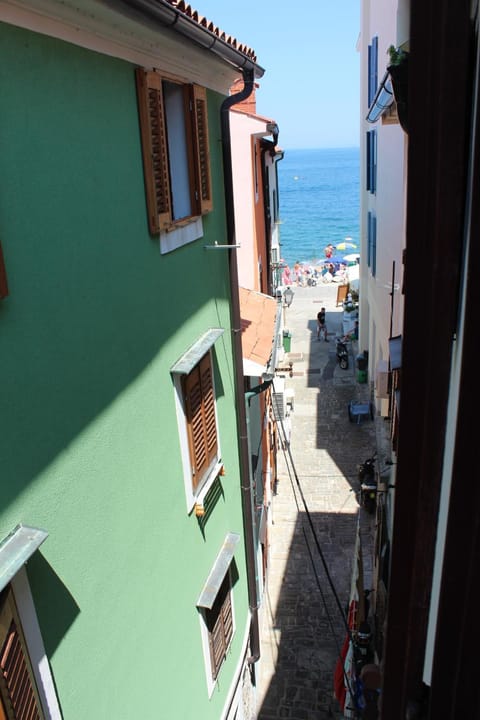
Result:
288,297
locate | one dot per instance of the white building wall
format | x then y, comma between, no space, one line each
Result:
379,18
242,127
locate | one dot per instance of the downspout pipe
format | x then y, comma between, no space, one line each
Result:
245,484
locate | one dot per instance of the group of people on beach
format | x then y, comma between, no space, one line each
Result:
326,270
300,276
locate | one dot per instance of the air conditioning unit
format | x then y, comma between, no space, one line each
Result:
381,379
278,398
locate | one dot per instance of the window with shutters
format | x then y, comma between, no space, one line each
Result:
219,623
175,147
199,399
198,429
19,699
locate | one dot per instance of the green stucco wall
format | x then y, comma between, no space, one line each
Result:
89,442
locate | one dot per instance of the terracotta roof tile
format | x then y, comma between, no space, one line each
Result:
194,15
258,313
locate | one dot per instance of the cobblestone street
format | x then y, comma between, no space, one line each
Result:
302,628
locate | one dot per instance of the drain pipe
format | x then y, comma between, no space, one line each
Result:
253,392
246,494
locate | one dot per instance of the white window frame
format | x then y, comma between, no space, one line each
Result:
211,683
194,496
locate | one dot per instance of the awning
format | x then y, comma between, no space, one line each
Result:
383,99
259,314
194,354
395,348
218,572
16,549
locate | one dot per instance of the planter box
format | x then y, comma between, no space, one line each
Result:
399,77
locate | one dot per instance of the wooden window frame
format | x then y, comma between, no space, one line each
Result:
156,163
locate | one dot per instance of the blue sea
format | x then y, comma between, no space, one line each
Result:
319,201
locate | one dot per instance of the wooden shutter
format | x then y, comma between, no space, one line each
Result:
17,688
201,420
3,278
202,148
154,149
220,626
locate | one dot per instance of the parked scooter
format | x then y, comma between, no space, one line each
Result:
368,484
342,353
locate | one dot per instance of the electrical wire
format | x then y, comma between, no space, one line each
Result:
291,464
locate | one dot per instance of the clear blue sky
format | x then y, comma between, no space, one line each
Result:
311,81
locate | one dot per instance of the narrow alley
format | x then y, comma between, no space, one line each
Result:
303,629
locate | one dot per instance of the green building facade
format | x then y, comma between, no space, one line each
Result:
102,329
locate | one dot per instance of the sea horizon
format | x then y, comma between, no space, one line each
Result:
319,198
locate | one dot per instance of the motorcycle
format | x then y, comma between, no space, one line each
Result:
342,353
368,484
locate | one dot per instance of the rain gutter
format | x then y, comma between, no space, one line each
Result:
161,12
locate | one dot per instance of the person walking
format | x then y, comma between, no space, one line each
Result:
322,325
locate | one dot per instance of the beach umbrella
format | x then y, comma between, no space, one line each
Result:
345,245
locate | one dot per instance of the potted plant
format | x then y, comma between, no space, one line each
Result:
398,71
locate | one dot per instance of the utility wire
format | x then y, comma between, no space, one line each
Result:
312,527
291,464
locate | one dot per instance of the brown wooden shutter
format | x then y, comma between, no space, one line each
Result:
209,407
220,626
3,277
154,149
202,149
17,688
201,421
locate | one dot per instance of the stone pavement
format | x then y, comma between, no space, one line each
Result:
302,629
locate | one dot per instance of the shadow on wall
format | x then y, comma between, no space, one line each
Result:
55,606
